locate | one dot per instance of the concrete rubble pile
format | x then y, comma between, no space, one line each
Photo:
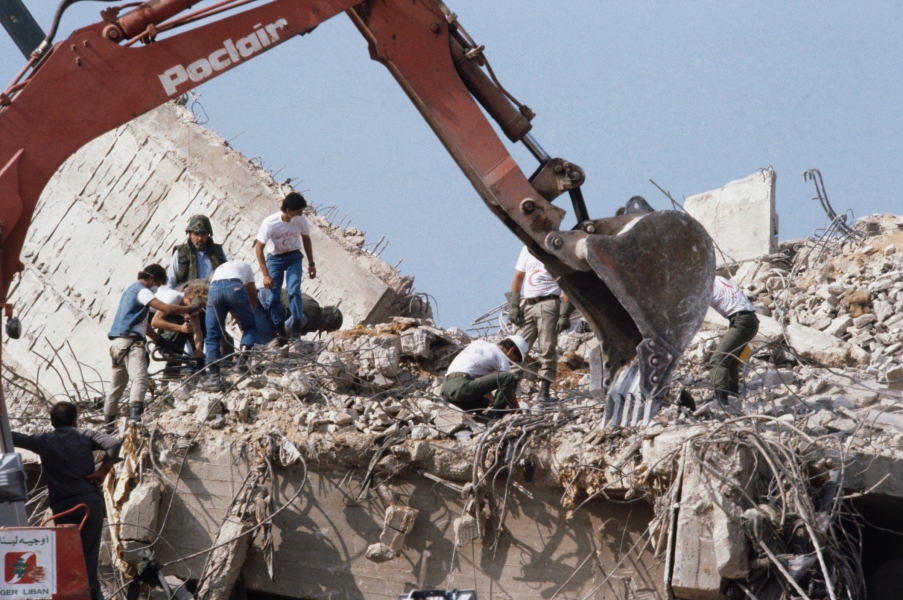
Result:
744,499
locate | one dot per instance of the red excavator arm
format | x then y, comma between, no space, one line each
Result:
642,280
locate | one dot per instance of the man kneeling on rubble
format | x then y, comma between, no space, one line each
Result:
482,368
178,330
732,304
315,319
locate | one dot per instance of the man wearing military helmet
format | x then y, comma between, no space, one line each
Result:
198,257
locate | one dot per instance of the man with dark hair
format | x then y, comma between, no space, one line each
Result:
280,237
481,369
198,257
129,348
545,314
724,365
178,330
67,458
316,318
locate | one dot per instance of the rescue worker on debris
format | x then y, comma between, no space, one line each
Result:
281,236
129,348
545,314
178,330
316,318
232,290
724,366
198,257
67,460
482,368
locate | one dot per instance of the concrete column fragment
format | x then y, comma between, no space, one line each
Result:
740,217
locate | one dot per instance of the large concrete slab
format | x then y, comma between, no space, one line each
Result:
321,540
123,201
740,217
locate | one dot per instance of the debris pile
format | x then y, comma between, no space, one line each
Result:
760,487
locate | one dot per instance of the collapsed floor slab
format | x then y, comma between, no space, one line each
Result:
123,201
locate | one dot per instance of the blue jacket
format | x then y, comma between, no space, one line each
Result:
130,312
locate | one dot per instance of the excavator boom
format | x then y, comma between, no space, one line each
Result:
642,280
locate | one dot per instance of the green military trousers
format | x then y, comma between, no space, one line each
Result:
469,394
724,366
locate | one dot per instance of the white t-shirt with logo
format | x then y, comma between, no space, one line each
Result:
727,298
537,281
281,237
234,269
480,358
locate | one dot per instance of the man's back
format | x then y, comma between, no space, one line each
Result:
67,457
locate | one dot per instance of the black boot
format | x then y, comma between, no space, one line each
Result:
244,357
543,395
296,328
722,397
107,419
135,412
213,382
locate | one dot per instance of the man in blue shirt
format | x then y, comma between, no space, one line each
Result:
67,458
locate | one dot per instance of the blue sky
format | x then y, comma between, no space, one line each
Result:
690,94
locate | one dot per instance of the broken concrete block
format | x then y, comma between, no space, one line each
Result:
208,408
866,319
839,326
416,342
449,420
379,553
894,378
269,394
386,361
139,515
740,217
466,530
297,383
340,418
399,521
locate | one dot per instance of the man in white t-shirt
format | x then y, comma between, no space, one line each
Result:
280,238
481,369
545,314
177,330
724,366
232,290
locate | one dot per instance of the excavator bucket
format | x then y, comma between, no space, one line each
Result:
647,296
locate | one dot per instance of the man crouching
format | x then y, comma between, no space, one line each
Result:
481,369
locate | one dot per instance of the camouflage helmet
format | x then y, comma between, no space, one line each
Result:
332,318
199,224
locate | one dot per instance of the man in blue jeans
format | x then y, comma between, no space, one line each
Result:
280,238
232,290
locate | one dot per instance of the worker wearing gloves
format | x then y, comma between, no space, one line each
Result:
724,366
232,290
129,333
316,318
481,369
545,314
67,460
198,257
281,236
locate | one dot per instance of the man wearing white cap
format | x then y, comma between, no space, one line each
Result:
481,369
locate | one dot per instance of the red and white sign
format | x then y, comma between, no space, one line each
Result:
28,560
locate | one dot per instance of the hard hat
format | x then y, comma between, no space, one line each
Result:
199,224
332,318
521,344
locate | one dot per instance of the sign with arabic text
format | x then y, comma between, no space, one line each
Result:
28,561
